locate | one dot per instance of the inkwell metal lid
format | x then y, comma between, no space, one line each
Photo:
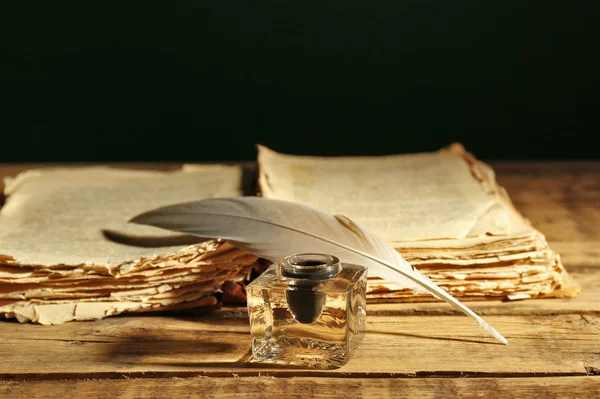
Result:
306,272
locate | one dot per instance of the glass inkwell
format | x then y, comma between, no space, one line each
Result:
308,310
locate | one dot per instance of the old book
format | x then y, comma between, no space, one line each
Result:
67,252
443,211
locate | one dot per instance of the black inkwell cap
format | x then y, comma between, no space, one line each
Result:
306,272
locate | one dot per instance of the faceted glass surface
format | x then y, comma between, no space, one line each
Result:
316,324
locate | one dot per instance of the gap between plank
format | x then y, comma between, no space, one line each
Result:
591,372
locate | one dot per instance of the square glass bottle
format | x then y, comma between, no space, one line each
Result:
308,310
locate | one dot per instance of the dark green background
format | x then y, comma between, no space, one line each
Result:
206,80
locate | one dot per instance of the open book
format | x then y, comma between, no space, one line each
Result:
443,211
67,252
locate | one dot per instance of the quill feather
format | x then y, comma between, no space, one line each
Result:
273,229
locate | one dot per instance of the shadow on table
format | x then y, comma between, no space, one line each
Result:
190,344
215,344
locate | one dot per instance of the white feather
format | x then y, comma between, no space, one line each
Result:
273,229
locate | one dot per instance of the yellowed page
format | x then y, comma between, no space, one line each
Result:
57,263
58,216
402,198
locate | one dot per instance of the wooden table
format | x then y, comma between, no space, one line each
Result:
411,350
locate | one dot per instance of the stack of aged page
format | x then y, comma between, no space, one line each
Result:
58,262
443,211
67,252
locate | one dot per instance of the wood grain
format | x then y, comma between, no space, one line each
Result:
562,200
306,387
393,346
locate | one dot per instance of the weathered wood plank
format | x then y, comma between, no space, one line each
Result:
562,200
393,346
554,340
305,387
